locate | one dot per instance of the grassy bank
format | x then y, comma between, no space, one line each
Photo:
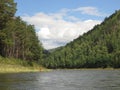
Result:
10,65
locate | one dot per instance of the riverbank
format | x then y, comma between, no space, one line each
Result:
109,68
19,68
10,65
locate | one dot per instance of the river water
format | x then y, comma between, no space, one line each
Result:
62,80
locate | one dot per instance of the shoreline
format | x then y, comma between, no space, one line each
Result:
11,65
22,69
88,69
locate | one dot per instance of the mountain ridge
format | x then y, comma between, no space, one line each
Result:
98,47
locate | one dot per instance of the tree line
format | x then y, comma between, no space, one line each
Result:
17,38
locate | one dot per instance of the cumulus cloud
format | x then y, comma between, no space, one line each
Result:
54,30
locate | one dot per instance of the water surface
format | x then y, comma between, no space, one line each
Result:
62,80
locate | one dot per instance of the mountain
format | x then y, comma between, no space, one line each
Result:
98,48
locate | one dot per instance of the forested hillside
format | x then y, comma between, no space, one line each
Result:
17,38
100,47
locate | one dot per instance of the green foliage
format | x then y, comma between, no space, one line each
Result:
7,11
17,38
98,48
20,41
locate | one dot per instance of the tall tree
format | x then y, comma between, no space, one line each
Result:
17,38
7,11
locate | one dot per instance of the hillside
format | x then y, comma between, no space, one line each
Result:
18,40
98,48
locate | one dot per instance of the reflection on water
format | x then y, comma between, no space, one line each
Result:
62,80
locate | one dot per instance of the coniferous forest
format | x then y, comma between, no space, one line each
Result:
98,48
17,38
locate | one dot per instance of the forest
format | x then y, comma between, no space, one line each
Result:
98,48
17,38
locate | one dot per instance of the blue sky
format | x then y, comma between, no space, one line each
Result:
58,22
33,6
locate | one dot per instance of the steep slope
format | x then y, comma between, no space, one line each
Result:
100,47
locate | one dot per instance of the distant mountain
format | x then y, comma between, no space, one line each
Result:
100,47
54,49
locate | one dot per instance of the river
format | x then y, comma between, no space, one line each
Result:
62,80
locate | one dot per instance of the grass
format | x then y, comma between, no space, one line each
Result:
11,65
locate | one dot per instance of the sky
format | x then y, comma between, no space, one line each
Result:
58,22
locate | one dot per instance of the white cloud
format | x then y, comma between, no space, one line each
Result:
85,10
54,31
88,10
